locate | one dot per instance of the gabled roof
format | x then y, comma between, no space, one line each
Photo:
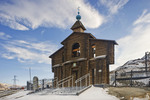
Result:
105,40
78,24
56,52
78,33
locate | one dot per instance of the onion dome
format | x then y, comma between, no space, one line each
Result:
78,17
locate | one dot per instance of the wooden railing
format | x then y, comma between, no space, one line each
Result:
86,78
65,80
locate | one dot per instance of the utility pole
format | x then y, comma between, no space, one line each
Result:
30,73
146,62
115,78
30,76
131,78
146,59
14,81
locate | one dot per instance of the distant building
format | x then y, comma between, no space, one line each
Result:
81,54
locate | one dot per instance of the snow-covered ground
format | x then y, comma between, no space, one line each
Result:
15,96
93,93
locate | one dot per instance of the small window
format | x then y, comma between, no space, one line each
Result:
93,50
76,50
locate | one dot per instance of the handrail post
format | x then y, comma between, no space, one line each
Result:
80,84
72,81
57,83
55,80
76,85
86,81
89,78
69,83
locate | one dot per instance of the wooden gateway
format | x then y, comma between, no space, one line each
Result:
81,54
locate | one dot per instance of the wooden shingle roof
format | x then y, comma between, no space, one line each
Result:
78,24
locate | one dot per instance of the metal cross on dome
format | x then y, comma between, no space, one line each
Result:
78,9
78,17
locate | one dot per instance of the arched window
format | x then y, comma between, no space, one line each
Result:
76,50
93,50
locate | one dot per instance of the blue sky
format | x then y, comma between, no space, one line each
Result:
32,30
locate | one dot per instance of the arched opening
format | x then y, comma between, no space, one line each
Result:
93,50
76,50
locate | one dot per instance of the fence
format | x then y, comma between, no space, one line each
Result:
46,83
69,82
131,77
42,83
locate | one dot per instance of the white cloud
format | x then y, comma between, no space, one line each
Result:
32,52
39,46
137,43
113,5
25,14
8,20
4,36
143,19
